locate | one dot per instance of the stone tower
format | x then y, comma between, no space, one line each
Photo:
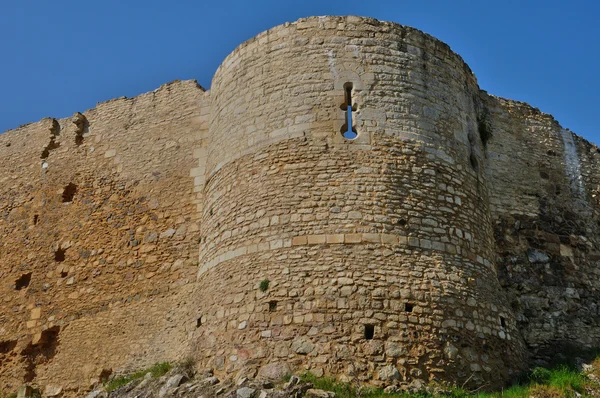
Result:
376,244
344,200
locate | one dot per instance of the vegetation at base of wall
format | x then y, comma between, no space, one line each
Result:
156,370
264,285
557,382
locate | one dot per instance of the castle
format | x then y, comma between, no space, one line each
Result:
344,200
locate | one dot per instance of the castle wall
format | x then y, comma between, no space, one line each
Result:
389,232
454,238
544,182
98,237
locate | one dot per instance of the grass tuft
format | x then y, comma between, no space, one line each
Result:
560,381
156,370
264,285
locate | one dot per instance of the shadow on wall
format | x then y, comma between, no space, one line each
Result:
41,350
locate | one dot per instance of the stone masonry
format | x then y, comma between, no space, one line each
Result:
455,238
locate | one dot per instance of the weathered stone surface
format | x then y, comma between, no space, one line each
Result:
97,393
245,392
395,350
25,391
302,346
537,256
389,373
147,225
275,371
315,393
52,390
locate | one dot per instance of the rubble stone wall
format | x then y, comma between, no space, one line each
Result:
98,237
454,238
544,184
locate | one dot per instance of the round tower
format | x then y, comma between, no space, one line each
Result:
345,226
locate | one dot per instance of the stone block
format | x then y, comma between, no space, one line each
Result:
372,238
389,239
335,239
317,239
275,371
36,313
352,238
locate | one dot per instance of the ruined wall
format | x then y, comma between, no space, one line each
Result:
98,237
378,250
544,184
453,239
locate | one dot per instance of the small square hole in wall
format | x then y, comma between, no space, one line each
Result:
369,332
59,255
69,192
408,307
502,322
272,306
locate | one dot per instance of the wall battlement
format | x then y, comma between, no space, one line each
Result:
455,238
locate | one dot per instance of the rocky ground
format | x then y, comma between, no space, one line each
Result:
176,383
575,377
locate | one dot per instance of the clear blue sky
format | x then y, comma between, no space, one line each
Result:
59,57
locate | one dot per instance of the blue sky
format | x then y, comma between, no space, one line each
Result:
59,57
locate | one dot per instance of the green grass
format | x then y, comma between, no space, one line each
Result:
347,390
516,391
566,379
156,370
563,380
264,285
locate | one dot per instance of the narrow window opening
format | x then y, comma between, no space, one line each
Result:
36,219
69,193
402,222
369,332
502,322
23,281
272,306
348,129
348,93
59,255
408,307
199,322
